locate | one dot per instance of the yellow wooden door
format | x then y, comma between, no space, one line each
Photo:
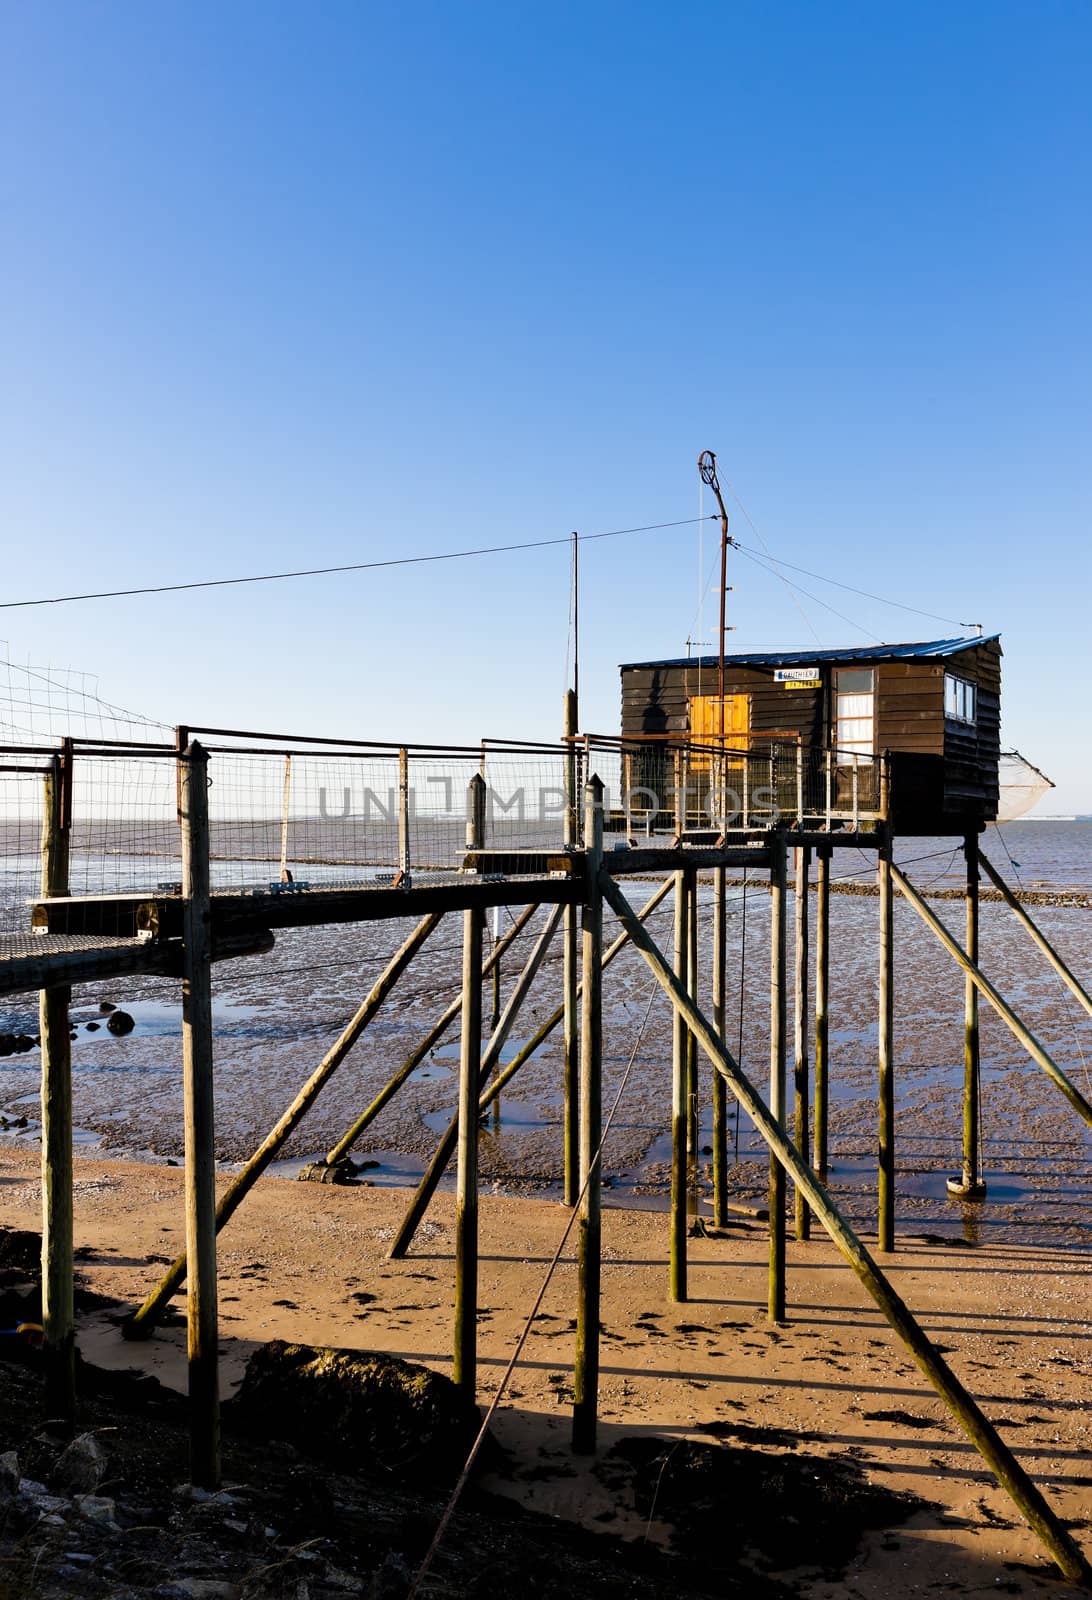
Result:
711,718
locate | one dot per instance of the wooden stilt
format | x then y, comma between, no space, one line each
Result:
969,1186
775,1300
693,1132
464,1371
200,1178
980,1431
719,1088
142,1323
571,967
679,1087
58,1319
589,1243
886,1093
800,1026
822,1008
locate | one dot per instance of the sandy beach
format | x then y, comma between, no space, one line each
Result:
307,1263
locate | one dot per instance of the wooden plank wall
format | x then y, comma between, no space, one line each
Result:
954,774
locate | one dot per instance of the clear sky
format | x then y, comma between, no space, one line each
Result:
290,285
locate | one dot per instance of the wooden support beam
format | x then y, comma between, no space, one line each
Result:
58,1318
465,1359
969,1185
679,1086
142,1323
979,1430
200,1144
886,1086
822,1009
339,1151
571,969
1001,1006
775,1300
1038,936
589,1264
800,1025
719,1089
693,1134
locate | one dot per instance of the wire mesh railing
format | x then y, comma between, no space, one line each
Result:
286,815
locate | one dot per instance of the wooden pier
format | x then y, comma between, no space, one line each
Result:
242,870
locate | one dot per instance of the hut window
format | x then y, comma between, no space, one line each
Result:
959,699
855,710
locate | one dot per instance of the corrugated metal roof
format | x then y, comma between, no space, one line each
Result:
793,658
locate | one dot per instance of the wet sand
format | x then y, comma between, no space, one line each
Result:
307,1263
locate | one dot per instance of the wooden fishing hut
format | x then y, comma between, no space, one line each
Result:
932,709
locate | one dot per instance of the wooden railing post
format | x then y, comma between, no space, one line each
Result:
589,1226
58,1319
464,1372
200,1178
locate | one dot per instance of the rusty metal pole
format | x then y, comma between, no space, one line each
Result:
589,1225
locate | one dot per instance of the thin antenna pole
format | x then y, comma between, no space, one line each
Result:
707,468
576,615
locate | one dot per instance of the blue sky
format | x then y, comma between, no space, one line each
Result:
298,285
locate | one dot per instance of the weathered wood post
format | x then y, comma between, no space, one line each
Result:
679,1078
822,1008
720,1022
778,879
886,1149
571,964
693,1137
589,1226
58,1318
405,811
464,1370
970,1186
197,1075
800,1026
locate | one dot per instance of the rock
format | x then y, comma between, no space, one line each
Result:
93,1027
120,1022
38,1498
354,1406
80,1467
391,1578
9,1472
96,1508
106,1006
24,1042
198,1589
7,1044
